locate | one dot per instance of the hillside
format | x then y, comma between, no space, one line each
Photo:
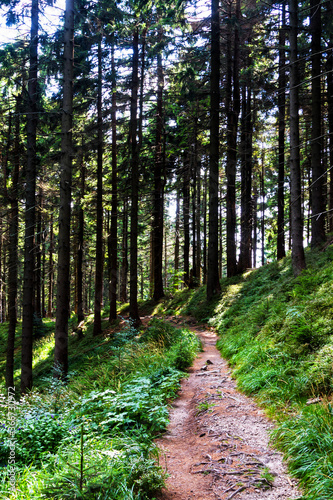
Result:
276,332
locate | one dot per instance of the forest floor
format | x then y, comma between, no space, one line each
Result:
217,443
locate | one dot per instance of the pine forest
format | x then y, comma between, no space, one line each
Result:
150,148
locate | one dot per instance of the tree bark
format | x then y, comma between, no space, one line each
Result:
177,224
255,225
63,282
51,272
80,244
317,165
213,283
297,253
263,203
1,275
186,219
124,255
232,110
193,281
246,180
198,228
13,253
330,126
280,249
204,250
30,188
38,252
114,200
158,198
99,204
134,310
142,79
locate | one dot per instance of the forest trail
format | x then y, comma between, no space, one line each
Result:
217,443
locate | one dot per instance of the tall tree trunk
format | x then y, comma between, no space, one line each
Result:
221,234
263,203
80,244
1,275
186,219
232,109
13,254
142,79
114,200
246,181
158,198
330,125
134,311
297,253
99,205
124,255
38,252
194,169
43,275
4,277
3,252
63,282
317,164
204,250
51,272
177,224
29,265
198,228
165,257
255,225
213,283
281,251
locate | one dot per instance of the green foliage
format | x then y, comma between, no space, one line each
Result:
121,469
184,351
37,433
276,330
307,443
189,302
119,395
204,406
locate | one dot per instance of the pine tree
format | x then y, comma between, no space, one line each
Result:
63,283
30,209
298,257
213,284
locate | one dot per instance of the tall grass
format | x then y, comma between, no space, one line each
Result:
277,332
93,437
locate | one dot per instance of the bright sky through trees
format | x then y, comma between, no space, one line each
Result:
50,19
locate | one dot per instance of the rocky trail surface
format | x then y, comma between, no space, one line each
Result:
217,443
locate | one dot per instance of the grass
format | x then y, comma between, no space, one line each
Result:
93,437
188,302
277,333
275,330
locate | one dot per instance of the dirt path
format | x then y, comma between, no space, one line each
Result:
216,446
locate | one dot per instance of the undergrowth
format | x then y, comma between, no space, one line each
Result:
92,438
277,332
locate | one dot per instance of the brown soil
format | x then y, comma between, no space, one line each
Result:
217,443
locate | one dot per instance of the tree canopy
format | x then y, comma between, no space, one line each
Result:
148,146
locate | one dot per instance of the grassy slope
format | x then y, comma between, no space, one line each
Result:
115,403
277,332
